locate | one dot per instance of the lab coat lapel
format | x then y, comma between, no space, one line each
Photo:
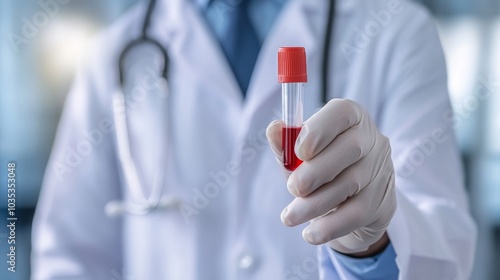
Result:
205,100
193,42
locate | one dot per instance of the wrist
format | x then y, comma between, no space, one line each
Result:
373,250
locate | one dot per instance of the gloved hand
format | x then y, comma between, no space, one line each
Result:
345,186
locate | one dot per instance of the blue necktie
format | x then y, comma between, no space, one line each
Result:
240,44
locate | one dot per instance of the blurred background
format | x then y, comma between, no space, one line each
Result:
35,75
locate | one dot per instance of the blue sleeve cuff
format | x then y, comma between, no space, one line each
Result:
380,266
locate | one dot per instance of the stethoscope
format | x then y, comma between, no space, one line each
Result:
143,205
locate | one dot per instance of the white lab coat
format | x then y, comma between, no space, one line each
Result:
204,128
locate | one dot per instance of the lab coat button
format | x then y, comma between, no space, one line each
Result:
246,261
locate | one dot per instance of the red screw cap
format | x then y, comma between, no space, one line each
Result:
292,65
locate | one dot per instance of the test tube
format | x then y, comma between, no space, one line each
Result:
292,74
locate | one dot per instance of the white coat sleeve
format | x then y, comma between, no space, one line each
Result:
432,231
72,237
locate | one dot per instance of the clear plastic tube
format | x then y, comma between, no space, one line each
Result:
292,116
292,74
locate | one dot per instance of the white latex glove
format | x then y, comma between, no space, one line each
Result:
345,186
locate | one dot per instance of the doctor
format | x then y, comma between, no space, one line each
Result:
380,194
